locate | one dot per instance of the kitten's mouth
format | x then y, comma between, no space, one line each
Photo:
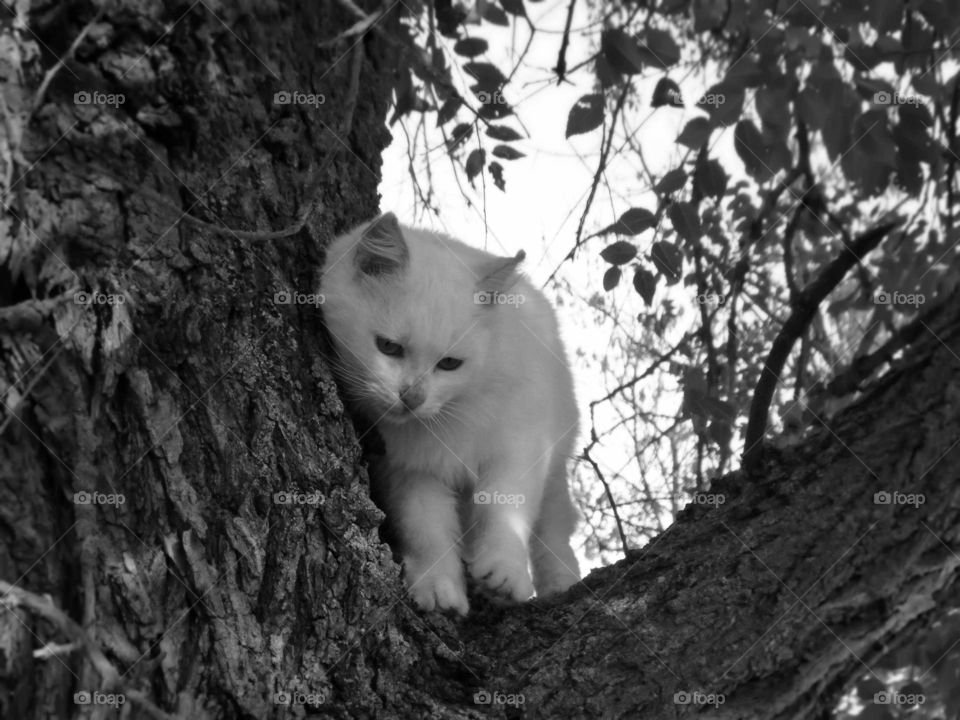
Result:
399,414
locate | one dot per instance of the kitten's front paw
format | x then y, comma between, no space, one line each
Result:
504,574
436,591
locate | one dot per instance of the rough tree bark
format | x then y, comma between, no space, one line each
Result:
200,397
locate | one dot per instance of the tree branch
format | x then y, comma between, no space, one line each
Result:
809,300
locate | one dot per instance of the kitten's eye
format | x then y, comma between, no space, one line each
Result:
389,347
449,363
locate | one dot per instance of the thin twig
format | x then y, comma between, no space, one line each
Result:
561,68
613,504
67,57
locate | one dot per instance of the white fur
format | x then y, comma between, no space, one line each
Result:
504,422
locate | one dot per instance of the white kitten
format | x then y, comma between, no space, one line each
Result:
457,360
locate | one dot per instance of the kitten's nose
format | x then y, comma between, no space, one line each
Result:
412,397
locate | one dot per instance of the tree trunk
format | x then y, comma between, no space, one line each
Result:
201,396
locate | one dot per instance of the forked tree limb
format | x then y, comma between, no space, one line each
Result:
808,300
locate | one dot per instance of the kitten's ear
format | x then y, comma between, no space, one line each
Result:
382,249
500,274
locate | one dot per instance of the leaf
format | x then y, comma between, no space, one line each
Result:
709,178
507,153
667,92
460,133
698,403
645,283
722,103
503,133
475,162
611,278
470,47
668,259
606,75
585,115
686,221
773,107
448,110
495,109
619,253
493,14
488,76
750,146
496,172
695,134
663,49
633,222
514,7
671,182
622,52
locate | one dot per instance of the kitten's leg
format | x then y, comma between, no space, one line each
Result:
503,508
424,515
555,567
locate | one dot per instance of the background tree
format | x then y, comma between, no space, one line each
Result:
184,505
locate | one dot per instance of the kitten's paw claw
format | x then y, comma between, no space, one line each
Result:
505,577
439,592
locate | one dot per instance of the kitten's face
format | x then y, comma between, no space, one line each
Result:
403,367
412,341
